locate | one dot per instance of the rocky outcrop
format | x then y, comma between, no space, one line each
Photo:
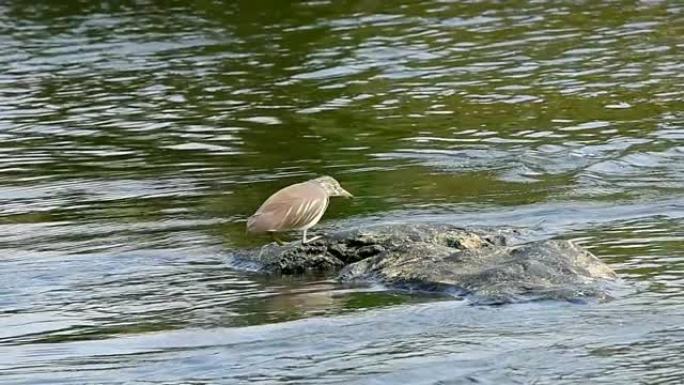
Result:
446,258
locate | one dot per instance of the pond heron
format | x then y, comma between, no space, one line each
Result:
296,207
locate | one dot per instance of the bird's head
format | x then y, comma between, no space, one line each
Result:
332,187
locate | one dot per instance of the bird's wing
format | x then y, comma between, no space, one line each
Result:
293,207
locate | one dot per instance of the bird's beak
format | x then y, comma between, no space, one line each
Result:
345,193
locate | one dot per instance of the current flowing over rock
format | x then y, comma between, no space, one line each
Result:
446,258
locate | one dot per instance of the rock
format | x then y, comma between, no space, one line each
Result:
430,257
541,270
295,258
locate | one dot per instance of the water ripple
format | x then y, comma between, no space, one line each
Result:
136,139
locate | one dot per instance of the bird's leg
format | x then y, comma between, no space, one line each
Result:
276,239
305,241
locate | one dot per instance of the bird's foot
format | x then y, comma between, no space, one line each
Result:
307,241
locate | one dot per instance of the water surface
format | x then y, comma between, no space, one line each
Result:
137,136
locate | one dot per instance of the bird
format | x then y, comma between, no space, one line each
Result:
296,207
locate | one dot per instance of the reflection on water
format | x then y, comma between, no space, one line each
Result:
135,137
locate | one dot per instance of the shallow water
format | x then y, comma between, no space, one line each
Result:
136,137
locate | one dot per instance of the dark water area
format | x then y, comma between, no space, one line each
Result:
137,136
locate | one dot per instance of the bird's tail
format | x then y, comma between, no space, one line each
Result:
251,224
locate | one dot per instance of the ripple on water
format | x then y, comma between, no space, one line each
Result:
130,160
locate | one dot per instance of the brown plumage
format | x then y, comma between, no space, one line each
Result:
296,207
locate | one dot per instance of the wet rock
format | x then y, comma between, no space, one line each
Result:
475,262
540,270
295,258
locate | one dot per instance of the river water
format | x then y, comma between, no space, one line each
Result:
137,136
